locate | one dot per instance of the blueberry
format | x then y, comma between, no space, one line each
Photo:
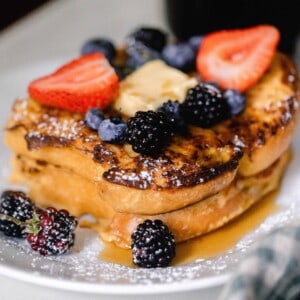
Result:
123,71
236,101
173,110
139,54
93,118
150,37
180,56
116,119
102,45
112,130
195,42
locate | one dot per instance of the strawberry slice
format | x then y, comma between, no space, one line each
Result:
237,58
85,82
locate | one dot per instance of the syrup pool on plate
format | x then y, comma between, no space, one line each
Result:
207,246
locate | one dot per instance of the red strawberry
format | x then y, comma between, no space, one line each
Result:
237,58
85,82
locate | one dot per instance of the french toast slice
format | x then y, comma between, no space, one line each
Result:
191,169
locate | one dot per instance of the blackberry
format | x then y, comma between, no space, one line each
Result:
112,130
52,231
173,111
205,106
17,205
148,132
153,245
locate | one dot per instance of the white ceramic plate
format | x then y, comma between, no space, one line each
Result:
82,270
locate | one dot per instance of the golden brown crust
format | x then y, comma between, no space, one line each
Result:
148,201
266,128
188,161
122,198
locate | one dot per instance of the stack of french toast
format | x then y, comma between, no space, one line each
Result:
199,182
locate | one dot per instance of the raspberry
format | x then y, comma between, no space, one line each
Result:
148,132
52,233
205,106
153,245
17,205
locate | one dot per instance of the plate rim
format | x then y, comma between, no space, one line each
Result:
113,289
152,288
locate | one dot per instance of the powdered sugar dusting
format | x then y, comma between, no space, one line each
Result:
41,124
83,264
67,129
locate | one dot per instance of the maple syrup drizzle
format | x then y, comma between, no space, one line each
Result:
209,245
226,237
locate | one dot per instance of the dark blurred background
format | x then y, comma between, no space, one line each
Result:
15,9
198,17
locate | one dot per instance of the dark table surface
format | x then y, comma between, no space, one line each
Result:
16,9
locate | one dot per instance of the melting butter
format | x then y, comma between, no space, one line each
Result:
151,85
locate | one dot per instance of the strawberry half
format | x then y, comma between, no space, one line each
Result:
85,82
237,58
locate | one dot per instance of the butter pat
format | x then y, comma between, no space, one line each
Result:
150,86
